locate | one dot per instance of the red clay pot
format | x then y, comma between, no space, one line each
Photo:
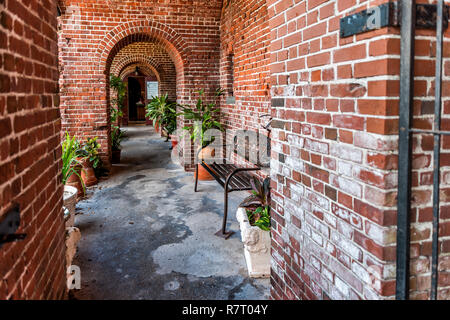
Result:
75,181
87,173
203,175
157,126
173,140
205,153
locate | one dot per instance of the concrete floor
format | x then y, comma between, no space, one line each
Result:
147,235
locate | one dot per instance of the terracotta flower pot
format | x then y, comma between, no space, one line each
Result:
157,126
75,181
205,153
88,173
115,156
203,174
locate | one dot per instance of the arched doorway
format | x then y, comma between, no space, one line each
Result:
146,32
149,68
136,111
137,78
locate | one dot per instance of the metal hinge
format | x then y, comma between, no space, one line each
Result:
9,225
389,15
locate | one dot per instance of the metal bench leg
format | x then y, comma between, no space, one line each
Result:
196,177
223,233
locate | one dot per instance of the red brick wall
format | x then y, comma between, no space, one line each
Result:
245,39
245,35
30,151
92,32
335,161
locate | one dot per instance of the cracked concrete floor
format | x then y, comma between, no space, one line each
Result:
147,235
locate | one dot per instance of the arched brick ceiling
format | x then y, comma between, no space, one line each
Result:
151,55
142,38
145,69
120,62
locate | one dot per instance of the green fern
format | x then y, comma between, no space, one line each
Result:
71,165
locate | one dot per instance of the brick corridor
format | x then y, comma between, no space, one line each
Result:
147,235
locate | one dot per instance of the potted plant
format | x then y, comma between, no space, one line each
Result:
90,161
253,215
116,138
119,88
205,114
162,111
169,121
71,177
117,103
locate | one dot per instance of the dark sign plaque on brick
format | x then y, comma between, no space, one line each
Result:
388,14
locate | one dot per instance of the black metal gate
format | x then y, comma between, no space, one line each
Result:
408,25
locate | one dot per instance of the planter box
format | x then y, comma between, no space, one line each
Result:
256,247
73,235
69,202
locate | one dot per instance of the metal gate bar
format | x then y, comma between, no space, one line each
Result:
437,147
405,132
408,18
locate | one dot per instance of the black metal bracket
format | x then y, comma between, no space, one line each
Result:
389,15
9,225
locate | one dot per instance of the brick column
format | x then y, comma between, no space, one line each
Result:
333,162
30,156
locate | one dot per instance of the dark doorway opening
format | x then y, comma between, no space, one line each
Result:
136,107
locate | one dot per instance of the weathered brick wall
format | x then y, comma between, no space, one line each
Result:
333,163
245,36
30,151
244,66
91,33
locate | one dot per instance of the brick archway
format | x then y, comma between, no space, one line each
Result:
140,31
141,59
130,68
144,31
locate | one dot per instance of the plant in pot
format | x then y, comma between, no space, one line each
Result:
116,138
169,120
71,177
171,128
204,114
159,110
117,102
90,161
253,215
